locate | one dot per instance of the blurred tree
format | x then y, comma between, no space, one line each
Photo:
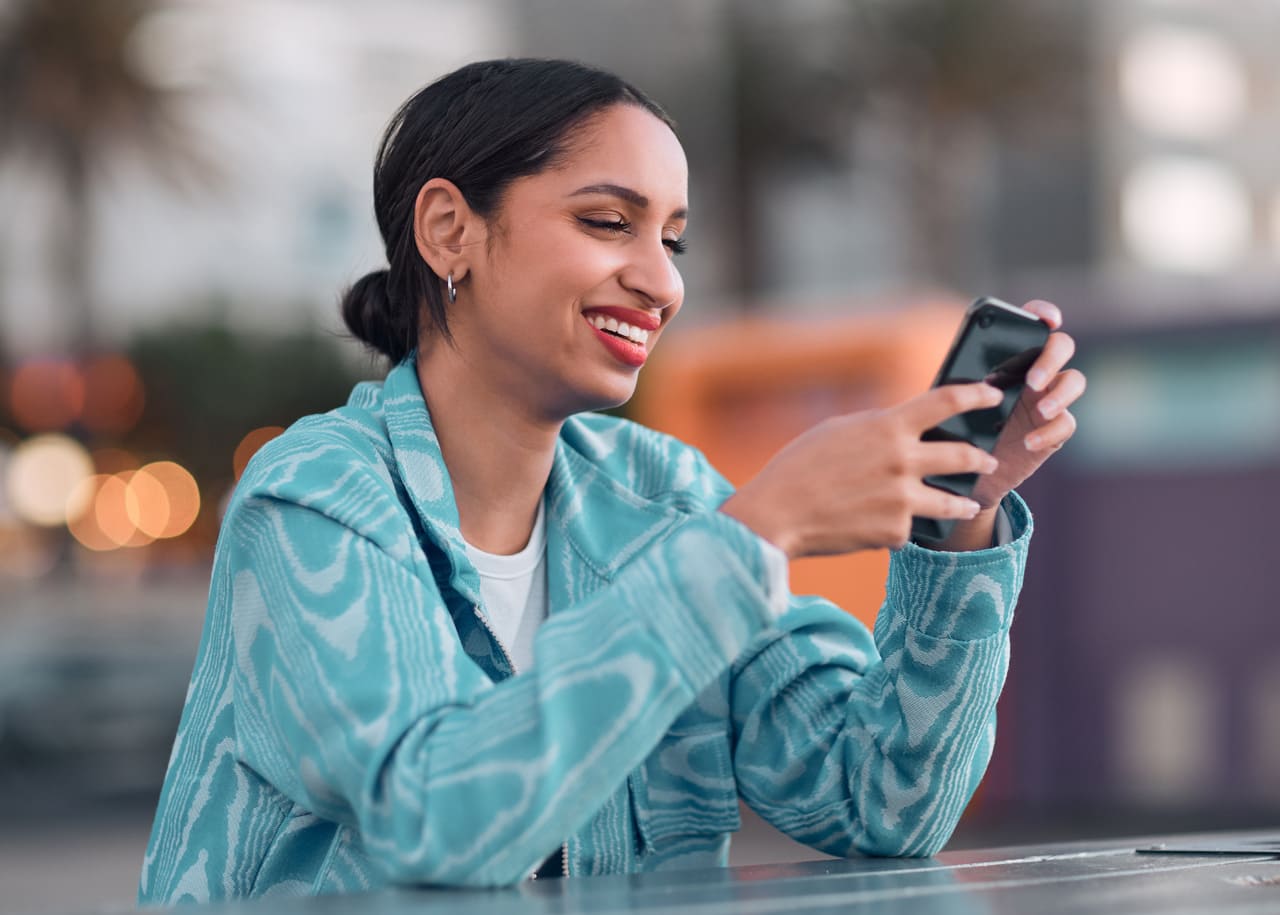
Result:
937,73
72,93
208,385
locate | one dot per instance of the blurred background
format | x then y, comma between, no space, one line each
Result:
185,191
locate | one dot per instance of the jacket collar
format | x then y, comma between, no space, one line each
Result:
595,524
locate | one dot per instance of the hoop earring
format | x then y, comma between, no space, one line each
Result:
450,288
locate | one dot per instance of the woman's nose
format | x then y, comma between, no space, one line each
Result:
653,276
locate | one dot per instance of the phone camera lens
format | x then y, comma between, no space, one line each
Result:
986,320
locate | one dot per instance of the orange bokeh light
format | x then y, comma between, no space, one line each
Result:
111,510
249,446
147,503
82,514
180,492
133,507
113,394
46,394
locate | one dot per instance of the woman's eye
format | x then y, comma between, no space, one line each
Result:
606,225
621,226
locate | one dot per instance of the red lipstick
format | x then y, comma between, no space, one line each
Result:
625,351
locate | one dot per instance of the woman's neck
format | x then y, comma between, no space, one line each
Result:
498,455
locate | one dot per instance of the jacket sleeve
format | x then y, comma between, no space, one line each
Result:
355,699
858,744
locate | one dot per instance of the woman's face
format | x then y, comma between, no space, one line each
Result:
577,252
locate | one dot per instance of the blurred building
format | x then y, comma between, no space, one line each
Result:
288,101
1144,666
1188,117
1139,171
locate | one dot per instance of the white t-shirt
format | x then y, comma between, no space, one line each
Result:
513,590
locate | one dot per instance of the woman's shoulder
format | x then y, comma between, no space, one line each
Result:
652,463
346,441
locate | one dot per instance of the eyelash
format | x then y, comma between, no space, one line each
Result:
674,245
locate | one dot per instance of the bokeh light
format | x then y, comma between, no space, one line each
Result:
114,397
1183,82
147,504
43,474
46,395
1187,214
132,508
249,446
83,523
111,510
181,494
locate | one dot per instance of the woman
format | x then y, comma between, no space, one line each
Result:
461,630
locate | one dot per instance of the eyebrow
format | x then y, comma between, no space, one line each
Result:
634,198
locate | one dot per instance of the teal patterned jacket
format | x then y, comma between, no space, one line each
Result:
351,722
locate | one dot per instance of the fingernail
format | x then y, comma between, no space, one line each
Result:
1049,408
992,465
1037,379
1033,442
973,508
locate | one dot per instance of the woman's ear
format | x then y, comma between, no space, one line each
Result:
444,226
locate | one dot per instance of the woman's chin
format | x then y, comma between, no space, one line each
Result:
606,396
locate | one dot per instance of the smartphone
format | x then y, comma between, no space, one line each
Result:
996,343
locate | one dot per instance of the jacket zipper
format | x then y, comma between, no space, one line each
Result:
484,621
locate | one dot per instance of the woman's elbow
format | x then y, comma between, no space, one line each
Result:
903,842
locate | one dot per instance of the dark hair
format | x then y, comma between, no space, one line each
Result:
481,127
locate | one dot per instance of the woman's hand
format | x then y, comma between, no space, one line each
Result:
1039,426
1041,422
854,482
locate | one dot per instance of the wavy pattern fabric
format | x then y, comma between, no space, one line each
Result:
351,722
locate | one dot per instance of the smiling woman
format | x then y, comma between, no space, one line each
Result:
463,630
590,239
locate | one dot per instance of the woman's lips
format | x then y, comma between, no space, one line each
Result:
625,351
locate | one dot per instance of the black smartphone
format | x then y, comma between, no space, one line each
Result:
997,343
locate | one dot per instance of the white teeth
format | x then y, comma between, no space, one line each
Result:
621,328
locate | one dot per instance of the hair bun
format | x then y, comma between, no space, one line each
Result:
369,315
